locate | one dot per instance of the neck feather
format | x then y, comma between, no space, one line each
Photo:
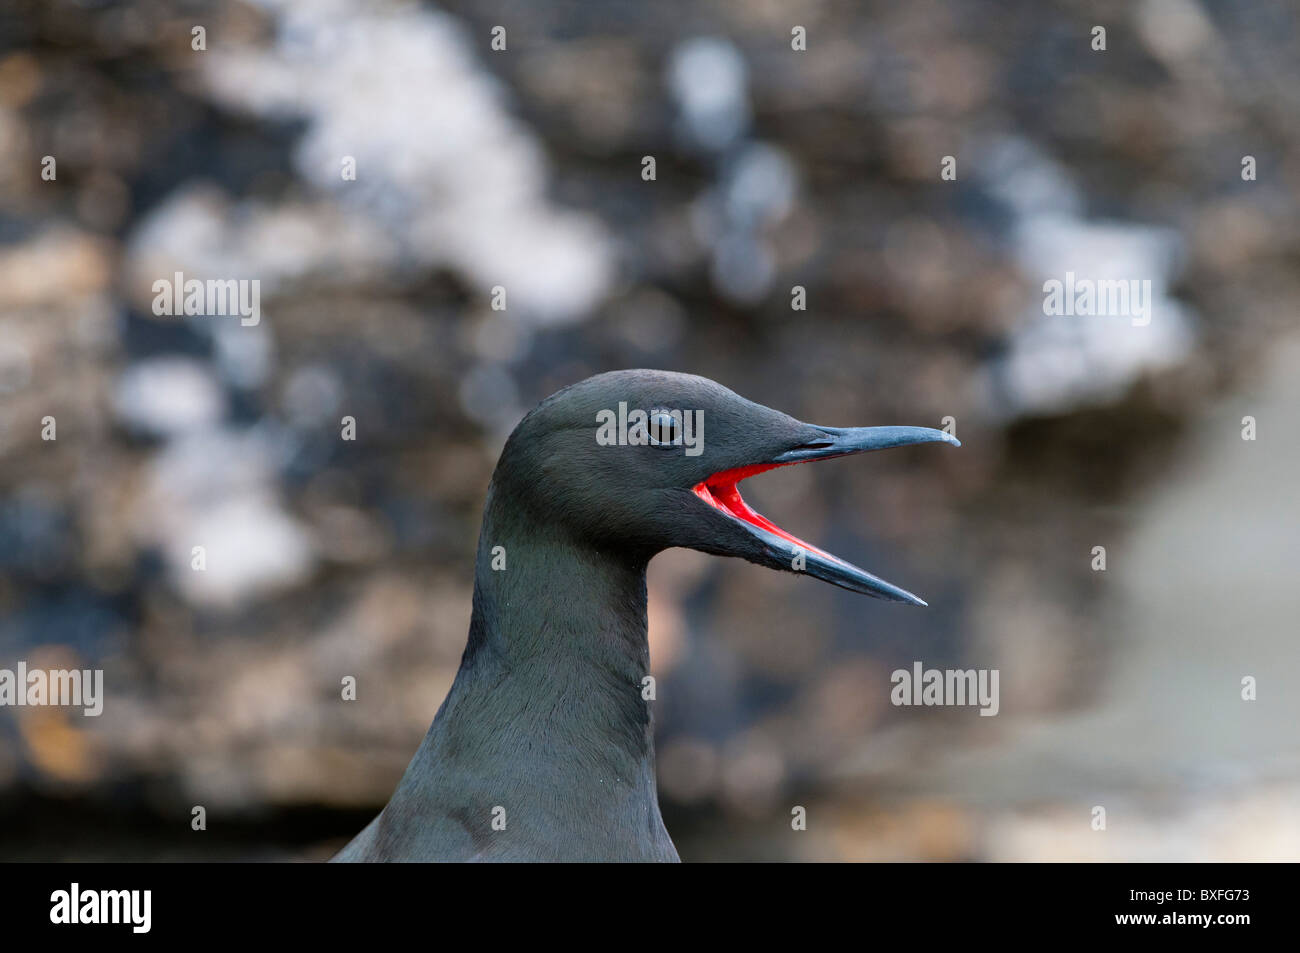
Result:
557,651
545,719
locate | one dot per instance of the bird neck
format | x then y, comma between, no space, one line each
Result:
556,655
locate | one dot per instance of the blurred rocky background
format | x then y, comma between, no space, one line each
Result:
775,168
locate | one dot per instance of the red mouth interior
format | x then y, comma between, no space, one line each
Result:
720,492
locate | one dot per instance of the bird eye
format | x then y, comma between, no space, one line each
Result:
663,430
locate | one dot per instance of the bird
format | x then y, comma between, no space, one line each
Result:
543,749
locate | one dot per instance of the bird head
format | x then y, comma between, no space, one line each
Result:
639,461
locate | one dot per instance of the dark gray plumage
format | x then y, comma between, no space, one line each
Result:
545,727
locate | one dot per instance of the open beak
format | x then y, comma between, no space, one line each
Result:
721,492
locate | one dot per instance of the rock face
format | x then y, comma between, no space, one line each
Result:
233,520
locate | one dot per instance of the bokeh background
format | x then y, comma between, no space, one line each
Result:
775,168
